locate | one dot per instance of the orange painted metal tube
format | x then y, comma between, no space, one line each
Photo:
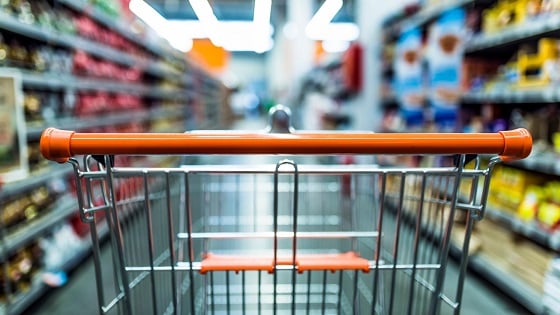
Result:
60,145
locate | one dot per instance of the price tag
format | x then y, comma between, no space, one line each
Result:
13,134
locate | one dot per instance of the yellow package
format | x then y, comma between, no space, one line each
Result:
549,214
529,206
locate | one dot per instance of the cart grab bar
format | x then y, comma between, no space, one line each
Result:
60,145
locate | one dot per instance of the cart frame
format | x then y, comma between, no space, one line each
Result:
119,193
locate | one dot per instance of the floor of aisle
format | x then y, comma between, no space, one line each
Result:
78,296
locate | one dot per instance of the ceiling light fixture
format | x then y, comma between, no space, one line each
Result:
321,28
261,13
335,46
335,31
324,15
253,35
237,35
206,16
160,25
261,23
147,14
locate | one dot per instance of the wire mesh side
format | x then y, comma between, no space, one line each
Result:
168,220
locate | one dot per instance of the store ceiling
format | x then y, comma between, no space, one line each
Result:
239,10
177,22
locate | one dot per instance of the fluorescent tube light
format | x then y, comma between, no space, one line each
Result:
206,16
150,16
160,25
335,46
203,11
246,44
180,42
335,31
233,34
261,14
324,15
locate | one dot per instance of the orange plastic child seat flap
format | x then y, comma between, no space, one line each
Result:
332,262
212,262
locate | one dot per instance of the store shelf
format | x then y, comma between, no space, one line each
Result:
507,282
62,208
169,94
432,12
71,82
34,180
68,81
515,34
34,130
162,70
12,24
542,163
24,300
514,95
38,288
528,229
120,27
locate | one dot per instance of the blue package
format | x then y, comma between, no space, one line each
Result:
409,83
445,57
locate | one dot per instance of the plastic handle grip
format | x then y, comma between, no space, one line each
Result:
60,145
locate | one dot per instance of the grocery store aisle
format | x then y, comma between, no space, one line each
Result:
79,295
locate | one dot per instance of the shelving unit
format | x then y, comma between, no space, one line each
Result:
71,82
121,27
483,265
543,163
68,81
13,189
168,91
428,14
34,130
543,95
544,26
529,230
424,15
9,23
506,97
38,288
507,282
60,210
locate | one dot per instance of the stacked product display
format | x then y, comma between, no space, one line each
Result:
486,66
87,66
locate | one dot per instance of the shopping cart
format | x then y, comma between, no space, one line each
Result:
290,236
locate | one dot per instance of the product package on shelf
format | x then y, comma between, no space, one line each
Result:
59,248
444,57
409,77
476,72
541,204
19,270
506,14
508,187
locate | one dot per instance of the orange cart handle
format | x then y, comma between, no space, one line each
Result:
60,145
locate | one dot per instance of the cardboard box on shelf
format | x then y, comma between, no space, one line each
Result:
512,254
